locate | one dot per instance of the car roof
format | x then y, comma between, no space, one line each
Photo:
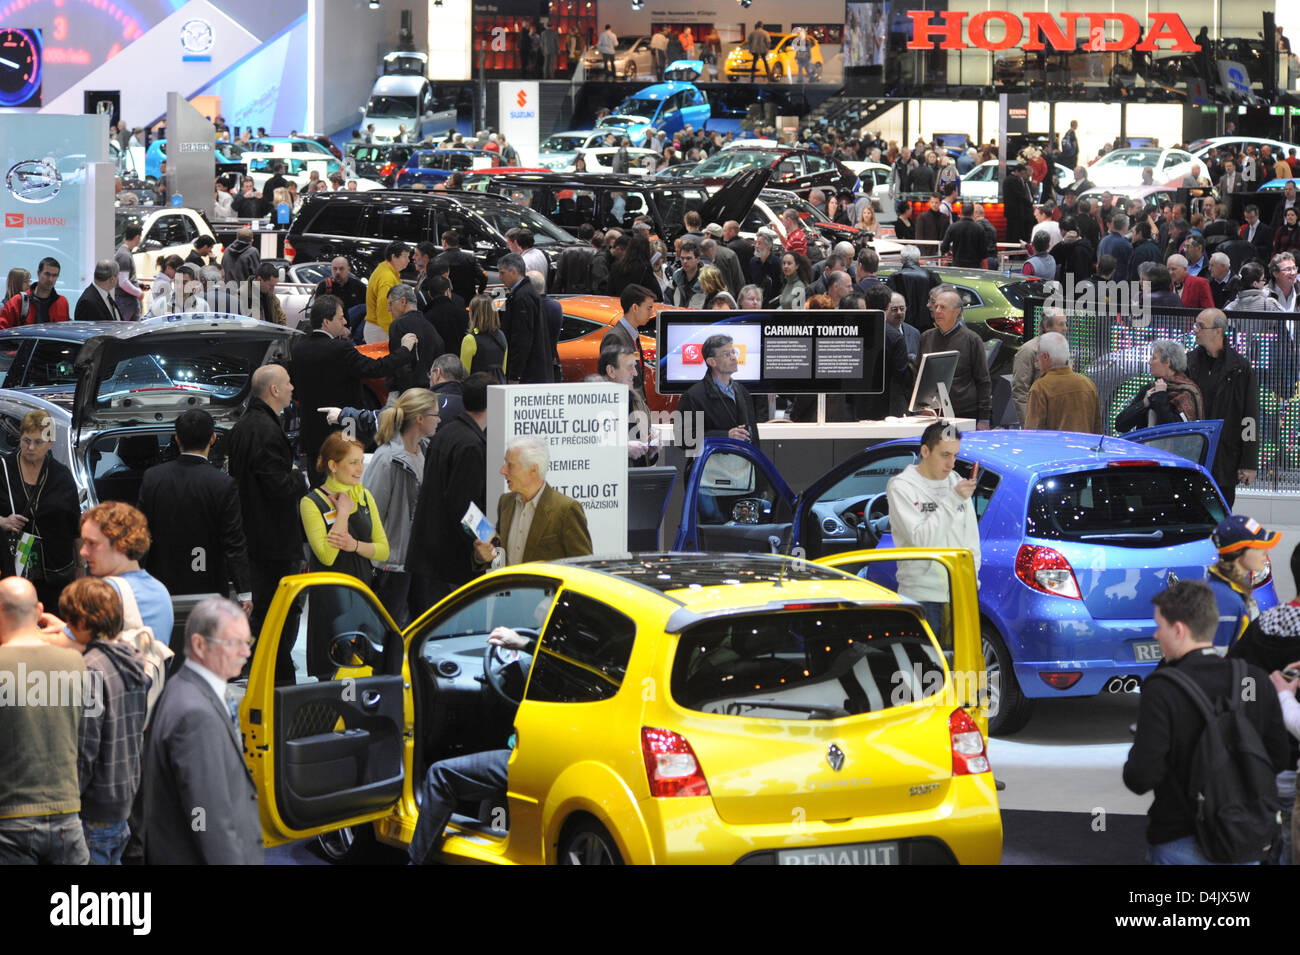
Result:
662,90
405,197
578,180
1027,454
398,83
84,331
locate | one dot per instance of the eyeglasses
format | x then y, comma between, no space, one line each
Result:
1204,328
230,643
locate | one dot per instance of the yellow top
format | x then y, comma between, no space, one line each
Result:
469,348
382,279
314,524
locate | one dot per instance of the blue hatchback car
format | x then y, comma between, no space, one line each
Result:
1077,534
667,106
432,166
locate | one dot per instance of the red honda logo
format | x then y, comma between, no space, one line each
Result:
13,220
521,98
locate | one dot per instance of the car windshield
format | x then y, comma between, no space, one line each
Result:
1139,506
819,664
505,217
732,160
1134,158
1014,292
218,370
123,219
230,151
637,106
564,144
391,106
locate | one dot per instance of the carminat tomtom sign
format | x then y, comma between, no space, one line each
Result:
1039,30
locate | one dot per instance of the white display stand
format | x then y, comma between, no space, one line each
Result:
586,428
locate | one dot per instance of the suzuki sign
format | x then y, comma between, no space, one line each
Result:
518,118
1040,27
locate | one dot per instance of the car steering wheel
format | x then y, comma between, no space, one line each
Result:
874,514
495,661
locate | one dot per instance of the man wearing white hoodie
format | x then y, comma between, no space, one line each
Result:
930,506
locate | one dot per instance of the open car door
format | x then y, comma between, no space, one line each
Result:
958,632
327,747
1194,440
735,501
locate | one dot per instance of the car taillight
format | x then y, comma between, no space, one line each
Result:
670,764
290,252
1046,570
387,169
968,756
1061,680
1132,464
1010,326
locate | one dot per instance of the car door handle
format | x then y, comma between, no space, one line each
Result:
370,699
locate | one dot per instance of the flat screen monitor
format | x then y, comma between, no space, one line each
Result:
778,352
936,368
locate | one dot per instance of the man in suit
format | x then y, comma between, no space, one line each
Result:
440,557
713,252
1193,290
534,521
96,303
198,798
638,304
261,462
446,312
529,358
196,522
1019,204
733,240
1230,181
328,371
463,271
1257,233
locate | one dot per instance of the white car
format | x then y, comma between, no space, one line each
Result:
1123,167
601,159
873,179
165,230
559,150
1201,148
981,183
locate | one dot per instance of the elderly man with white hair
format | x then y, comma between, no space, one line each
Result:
1061,399
535,521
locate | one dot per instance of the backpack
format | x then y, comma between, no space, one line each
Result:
155,653
497,371
1232,783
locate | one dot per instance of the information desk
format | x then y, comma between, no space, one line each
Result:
801,451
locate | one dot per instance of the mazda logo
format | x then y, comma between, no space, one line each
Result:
33,180
835,756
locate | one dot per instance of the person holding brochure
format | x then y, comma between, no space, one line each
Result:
536,522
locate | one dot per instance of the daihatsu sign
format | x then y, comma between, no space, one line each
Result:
1040,27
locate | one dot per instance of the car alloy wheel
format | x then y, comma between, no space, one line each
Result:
629,71
1008,708
588,844
778,72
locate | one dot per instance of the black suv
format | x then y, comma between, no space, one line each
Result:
570,199
357,226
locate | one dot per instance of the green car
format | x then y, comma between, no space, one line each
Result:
994,305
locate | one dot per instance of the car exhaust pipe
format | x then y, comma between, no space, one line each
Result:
1115,684
1131,684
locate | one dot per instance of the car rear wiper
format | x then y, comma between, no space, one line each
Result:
1125,535
734,709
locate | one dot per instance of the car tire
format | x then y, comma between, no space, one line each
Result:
777,72
587,843
629,72
815,73
1008,707
357,845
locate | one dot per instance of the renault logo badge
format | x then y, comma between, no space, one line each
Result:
33,180
835,756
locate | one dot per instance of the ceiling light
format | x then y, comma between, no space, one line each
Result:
638,4
373,4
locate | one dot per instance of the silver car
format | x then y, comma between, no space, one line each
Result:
632,58
559,150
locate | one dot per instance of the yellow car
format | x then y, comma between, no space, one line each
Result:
679,708
780,60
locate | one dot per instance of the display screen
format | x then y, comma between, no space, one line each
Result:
788,352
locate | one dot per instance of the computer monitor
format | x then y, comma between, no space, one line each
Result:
934,383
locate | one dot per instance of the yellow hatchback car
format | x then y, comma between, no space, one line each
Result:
780,60
679,708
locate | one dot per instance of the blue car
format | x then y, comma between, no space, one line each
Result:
1077,534
666,106
432,166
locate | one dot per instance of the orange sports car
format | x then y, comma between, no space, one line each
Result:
586,319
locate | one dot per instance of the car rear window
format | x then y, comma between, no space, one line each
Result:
818,664
1134,506
334,218
1015,292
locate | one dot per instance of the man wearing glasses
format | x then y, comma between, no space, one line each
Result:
1231,392
199,801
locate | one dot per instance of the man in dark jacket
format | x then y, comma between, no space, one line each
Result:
972,389
242,260
407,319
1231,392
1019,204
446,380
721,399
440,556
261,462
1074,255
446,312
965,239
328,371
1169,723
195,518
463,271
96,303
932,224
528,360
638,304
343,285
914,284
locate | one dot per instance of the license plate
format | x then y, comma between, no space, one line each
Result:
1147,652
862,853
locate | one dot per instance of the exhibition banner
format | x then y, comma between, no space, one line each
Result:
518,117
47,184
586,427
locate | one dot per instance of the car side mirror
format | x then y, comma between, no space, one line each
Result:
150,245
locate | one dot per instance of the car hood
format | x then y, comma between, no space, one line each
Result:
623,120
733,201
168,365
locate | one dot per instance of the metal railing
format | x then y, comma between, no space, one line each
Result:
1113,352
